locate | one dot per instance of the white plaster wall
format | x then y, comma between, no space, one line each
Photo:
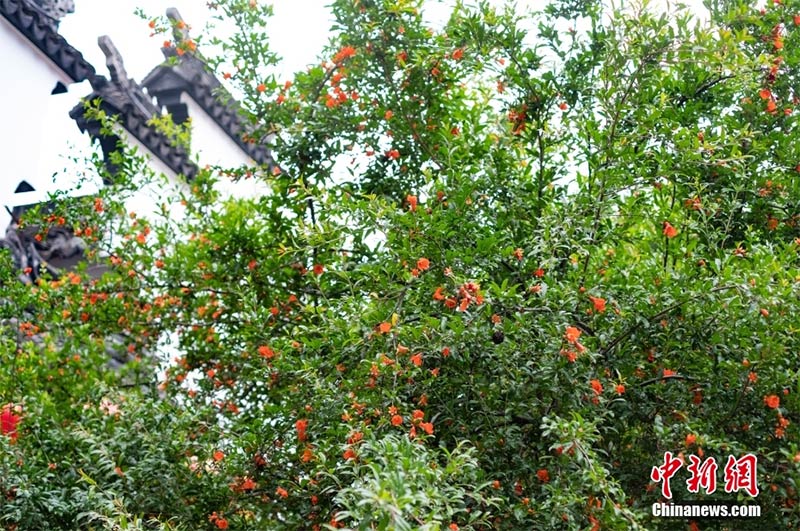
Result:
214,147
37,136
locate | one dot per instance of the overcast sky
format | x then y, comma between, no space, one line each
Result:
298,30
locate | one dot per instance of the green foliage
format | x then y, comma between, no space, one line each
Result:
504,267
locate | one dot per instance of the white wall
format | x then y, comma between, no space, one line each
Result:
214,147
37,136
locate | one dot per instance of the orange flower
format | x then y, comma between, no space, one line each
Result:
427,426
669,231
599,303
349,454
771,106
266,352
218,455
572,334
384,327
543,475
438,295
423,264
690,439
280,491
261,87
301,426
597,387
388,115
518,253
772,401
344,53
496,319
563,106
539,273
669,372
458,54
98,205
397,420
417,414
764,94
248,484
620,389
453,526
393,154
412,202
416,359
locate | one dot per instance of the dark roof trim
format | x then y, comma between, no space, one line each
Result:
38,29
123,97
189,74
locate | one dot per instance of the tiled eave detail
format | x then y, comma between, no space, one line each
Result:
188,74
39,31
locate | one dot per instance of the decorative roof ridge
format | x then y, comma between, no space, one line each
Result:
123,97
40,28
200,83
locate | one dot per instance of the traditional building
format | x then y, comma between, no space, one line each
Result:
50,82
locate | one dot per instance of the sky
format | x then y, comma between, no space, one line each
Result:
298,30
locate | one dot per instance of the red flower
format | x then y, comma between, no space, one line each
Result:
218,455
771,106
416,359
423,264
8,422
349,454
669,231
518,253
690,439
539,273
599,303
393,154
344,53
543,475
397,420
265,352
301,426
458,53
318,269
597,387
98,205
427,426
772,401
620,389
572,334
280,491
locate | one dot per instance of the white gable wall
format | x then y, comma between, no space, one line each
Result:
214,147
37,136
